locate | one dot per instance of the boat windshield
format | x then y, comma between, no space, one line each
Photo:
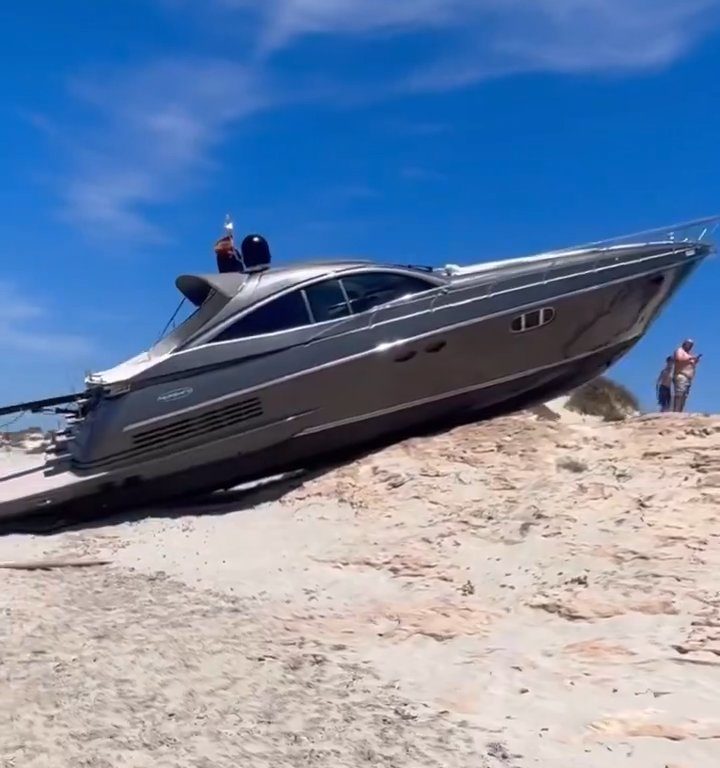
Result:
186,321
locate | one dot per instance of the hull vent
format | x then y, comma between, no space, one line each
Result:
195,426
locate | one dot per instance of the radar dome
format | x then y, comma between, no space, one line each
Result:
255,252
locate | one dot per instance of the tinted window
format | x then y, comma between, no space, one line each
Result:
532,319
373,288
282,314
327,301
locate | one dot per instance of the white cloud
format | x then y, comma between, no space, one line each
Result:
159,125
15,308
285,20
24,329
496,36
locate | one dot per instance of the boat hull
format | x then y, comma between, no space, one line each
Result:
454,343
457,358
75,498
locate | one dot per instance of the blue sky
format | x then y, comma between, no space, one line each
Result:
422,130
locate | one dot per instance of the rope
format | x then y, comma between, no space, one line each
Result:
12,421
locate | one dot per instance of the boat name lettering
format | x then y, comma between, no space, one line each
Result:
175,394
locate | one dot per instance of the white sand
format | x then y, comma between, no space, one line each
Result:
523,592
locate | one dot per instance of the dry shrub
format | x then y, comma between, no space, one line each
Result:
604,398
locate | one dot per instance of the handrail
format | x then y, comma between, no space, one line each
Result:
709,225
494,284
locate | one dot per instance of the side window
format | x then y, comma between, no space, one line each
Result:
534,319
282,314
327,301
371,289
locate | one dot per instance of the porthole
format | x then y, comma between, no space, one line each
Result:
536,318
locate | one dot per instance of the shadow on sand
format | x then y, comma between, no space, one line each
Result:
218,503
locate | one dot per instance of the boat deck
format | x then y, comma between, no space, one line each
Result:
32,484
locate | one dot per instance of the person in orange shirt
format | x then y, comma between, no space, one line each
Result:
227,255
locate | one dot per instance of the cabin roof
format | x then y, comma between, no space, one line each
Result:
197,287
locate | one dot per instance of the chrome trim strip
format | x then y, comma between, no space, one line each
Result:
350,358
597,270
461,391
463,284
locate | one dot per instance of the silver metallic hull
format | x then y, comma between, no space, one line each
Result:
215,415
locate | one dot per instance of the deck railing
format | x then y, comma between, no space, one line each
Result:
695,231
679,238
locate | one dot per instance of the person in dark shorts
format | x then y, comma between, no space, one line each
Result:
664,385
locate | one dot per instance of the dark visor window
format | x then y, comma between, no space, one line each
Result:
282,314
327,301
371,289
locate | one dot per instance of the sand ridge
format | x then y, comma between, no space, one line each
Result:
527,591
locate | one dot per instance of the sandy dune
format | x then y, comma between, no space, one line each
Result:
525,592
